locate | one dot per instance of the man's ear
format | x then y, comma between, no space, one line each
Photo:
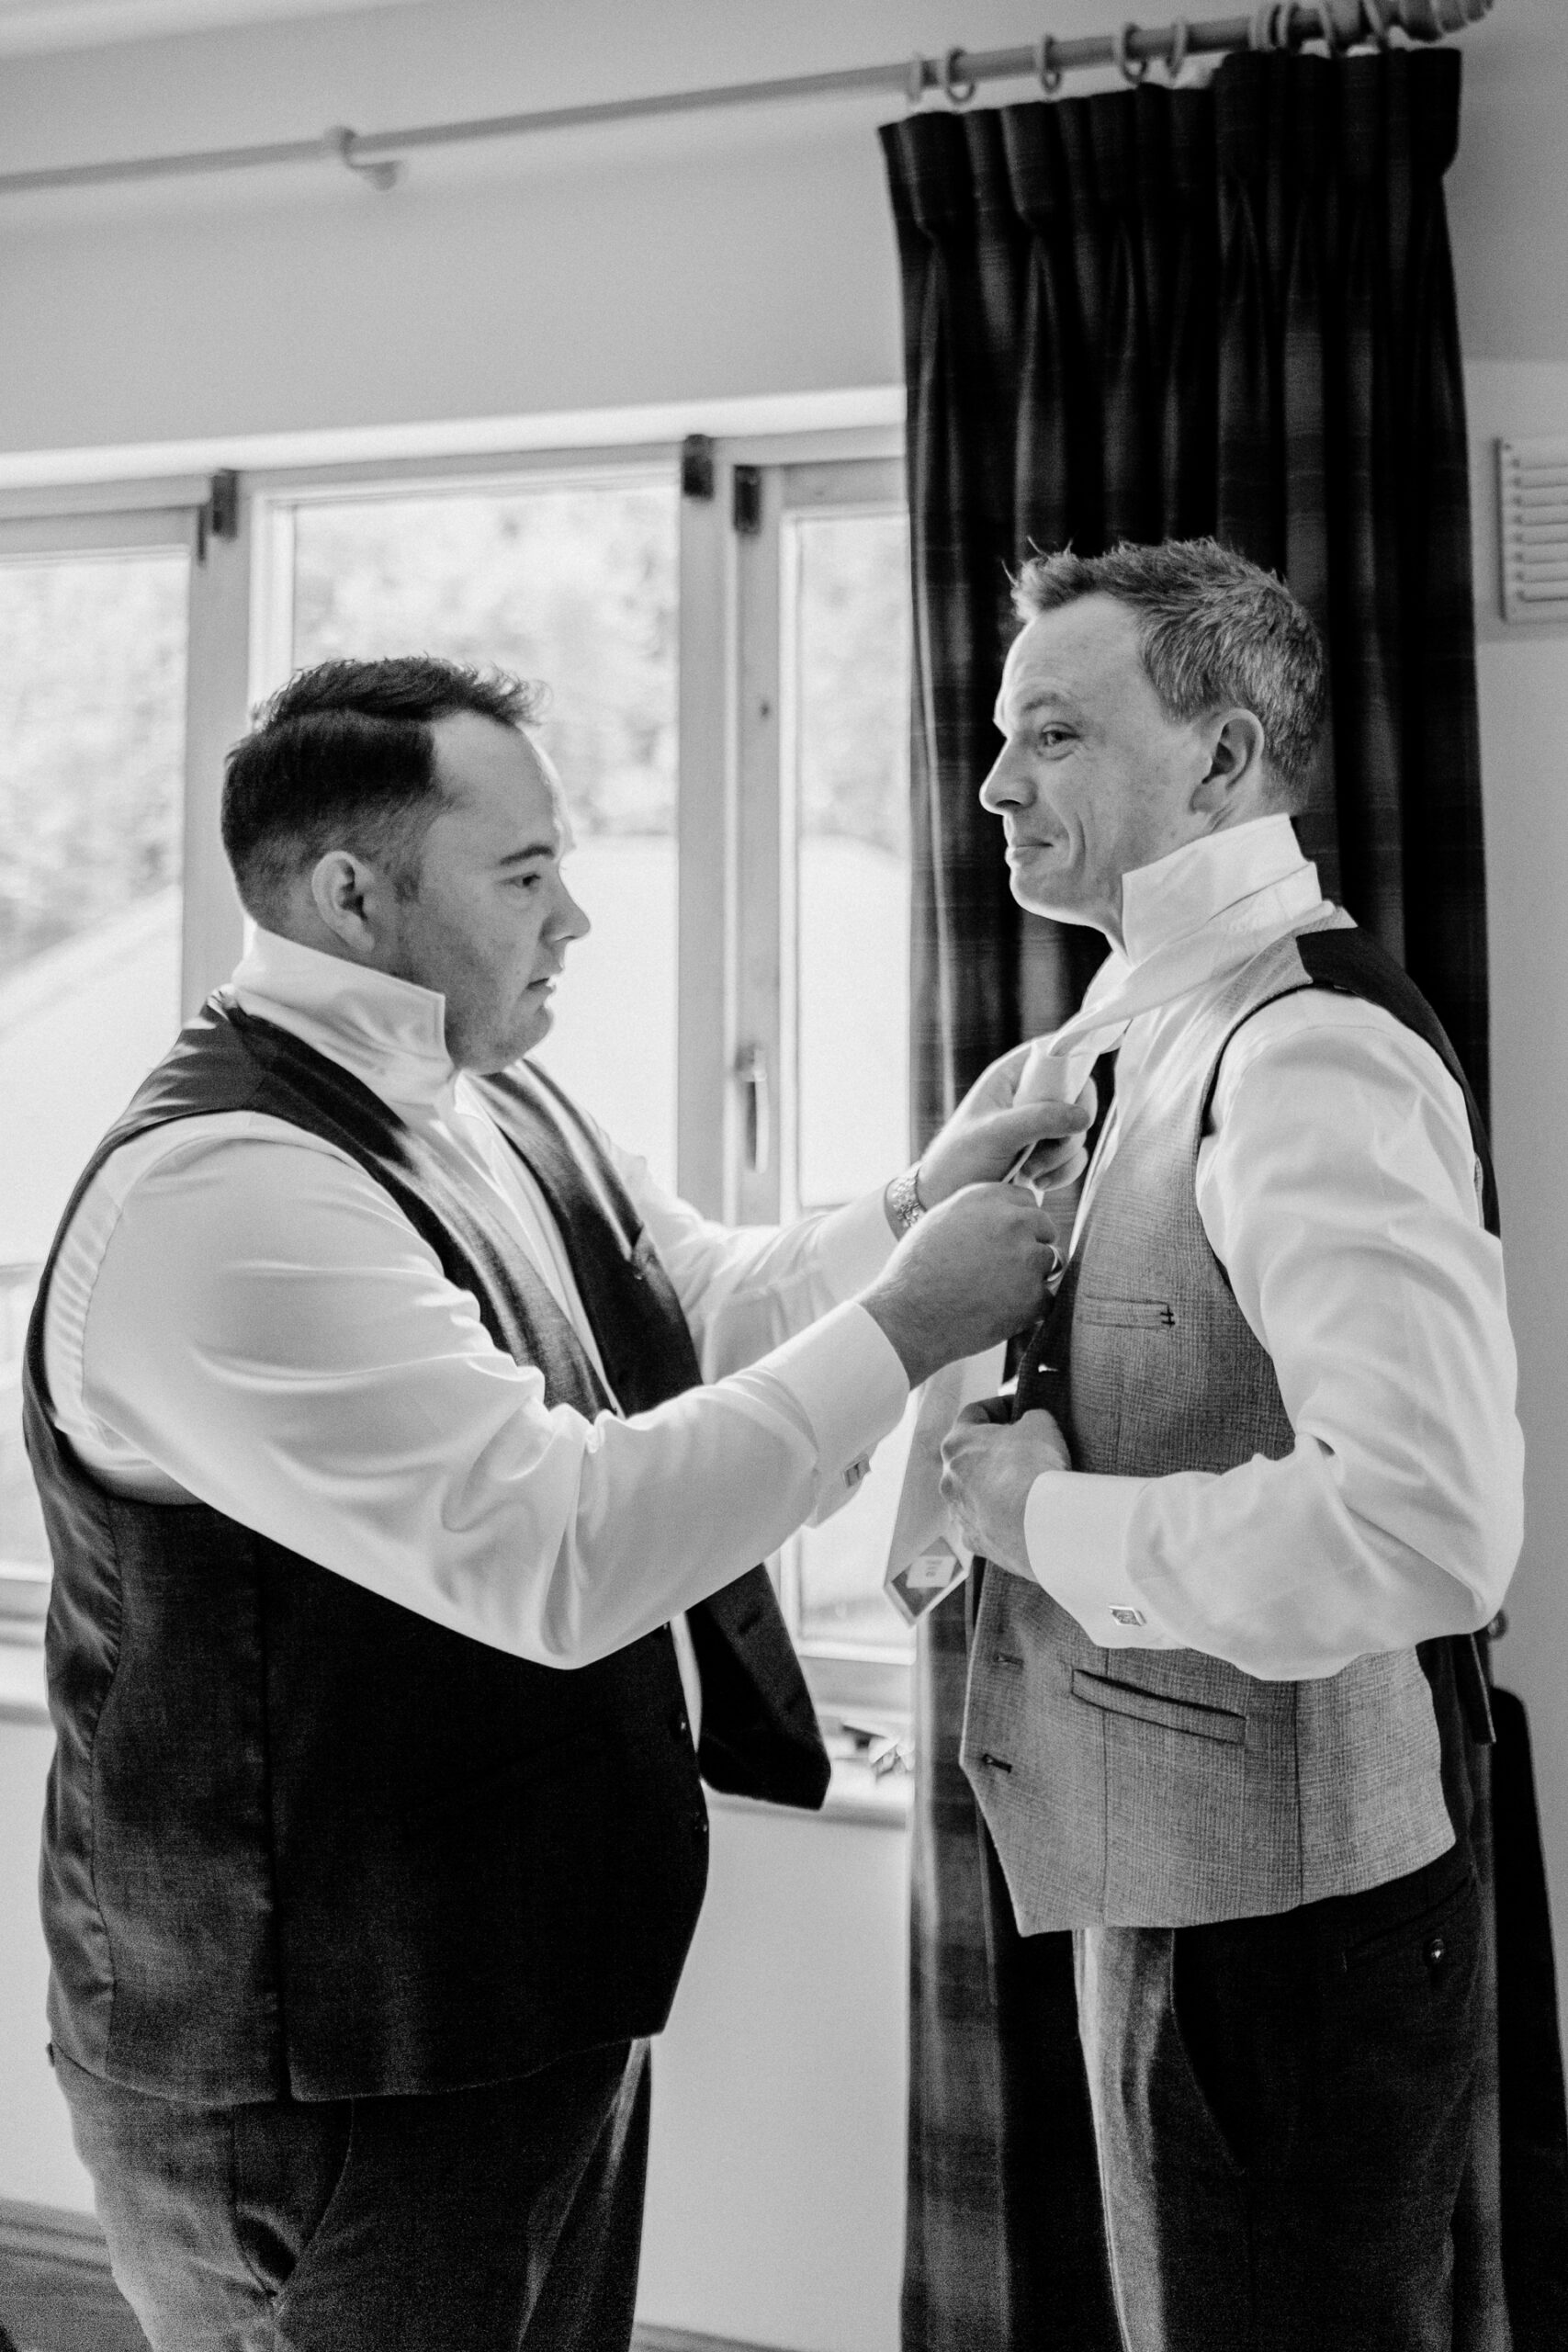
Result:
343,890
1236,780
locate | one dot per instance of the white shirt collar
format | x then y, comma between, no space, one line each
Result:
389,1033
1252,873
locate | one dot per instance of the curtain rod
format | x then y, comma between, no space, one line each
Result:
377,156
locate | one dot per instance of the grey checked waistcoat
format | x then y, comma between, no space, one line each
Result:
1163,1788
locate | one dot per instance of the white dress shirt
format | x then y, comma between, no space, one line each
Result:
1336,1183
241,1316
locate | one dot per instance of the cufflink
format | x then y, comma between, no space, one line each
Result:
1129,1616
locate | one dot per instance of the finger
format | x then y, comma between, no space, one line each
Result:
998,1083
1031,1121
1050,1154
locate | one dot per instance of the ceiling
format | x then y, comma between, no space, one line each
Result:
36,26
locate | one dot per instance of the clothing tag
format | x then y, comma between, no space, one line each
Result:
926,1580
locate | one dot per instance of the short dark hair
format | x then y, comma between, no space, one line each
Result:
1214,630
342,757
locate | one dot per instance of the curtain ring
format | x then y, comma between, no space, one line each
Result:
959,91
915,81
1046,68
1132,69
1378,14
1271,27
1180,34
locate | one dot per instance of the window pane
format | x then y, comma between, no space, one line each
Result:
850,677
849,669
92,750
573,585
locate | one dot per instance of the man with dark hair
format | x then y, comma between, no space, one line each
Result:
1259,1486
384,1416
350,742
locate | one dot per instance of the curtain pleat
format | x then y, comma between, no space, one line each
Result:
1133,315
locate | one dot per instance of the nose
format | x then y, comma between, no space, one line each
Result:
1007,786
567,920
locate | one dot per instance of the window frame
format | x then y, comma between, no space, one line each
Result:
857,1680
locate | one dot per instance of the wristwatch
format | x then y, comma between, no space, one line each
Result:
905,1206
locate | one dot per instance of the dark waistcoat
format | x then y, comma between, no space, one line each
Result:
1164,1788
301,1841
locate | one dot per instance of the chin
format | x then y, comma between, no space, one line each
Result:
1040,899
489,1061
1032,889
533,1030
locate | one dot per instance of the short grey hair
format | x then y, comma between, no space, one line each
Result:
1214,632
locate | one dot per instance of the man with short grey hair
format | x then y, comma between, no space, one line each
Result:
1258,1488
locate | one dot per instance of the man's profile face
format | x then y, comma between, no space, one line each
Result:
1094,779
491,921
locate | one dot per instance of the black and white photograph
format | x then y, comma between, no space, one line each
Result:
783,1176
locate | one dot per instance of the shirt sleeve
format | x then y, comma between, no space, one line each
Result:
744,1289
1337,1188
270,1333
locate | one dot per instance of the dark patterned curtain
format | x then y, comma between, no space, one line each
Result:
1146,314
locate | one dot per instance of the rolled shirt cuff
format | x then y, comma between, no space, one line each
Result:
1075,1531
845,1376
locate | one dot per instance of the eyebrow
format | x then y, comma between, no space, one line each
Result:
534,849
1036,699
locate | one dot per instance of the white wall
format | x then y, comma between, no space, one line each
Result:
722,256
38,2163
1523,679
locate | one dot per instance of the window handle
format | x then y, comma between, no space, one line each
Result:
752,1068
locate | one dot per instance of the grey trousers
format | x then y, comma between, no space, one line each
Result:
1283,2112
506,2219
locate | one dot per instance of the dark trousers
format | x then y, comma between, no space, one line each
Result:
506,2219
1283,2112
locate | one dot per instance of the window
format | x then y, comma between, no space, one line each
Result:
572,583
821,990
92,690
727,706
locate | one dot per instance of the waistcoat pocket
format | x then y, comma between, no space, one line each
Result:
1124,1314
1149,1707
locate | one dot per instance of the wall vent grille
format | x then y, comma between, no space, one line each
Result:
1532,508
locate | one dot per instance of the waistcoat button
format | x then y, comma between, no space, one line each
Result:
1435,1952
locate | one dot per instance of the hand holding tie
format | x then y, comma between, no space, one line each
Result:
989,1464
